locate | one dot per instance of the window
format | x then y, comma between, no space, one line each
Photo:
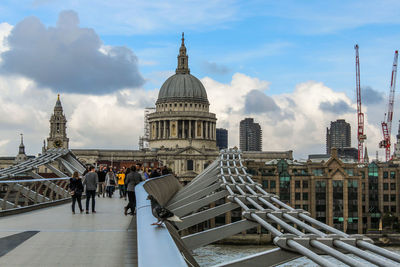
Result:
385,186
392,175
305,184
265,183
272,184
393,209
297,184
392,186
318,172
297,196
297,206
392,197
385,175
189,164
385,197
305,196
305,207
385,209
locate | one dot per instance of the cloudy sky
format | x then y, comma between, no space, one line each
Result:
288,64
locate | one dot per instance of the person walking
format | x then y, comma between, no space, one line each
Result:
102,178
127,171
110,182
139,169
131,180
76,190
91,180
121,183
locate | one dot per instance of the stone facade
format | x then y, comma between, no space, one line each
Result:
345,195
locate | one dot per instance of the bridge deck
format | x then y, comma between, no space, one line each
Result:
107,238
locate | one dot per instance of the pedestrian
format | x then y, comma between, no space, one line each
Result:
131,180
165,170
110,182
102,178
76,190
86,170
121,183
155,173
128,170
140,170
91,180
146,174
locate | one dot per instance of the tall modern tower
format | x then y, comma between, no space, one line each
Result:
338,135
222,138
250,135
58,128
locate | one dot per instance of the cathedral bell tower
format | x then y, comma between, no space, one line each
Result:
58,126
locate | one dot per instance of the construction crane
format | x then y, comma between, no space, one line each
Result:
387,122
360,116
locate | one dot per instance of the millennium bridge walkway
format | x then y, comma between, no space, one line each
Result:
34,236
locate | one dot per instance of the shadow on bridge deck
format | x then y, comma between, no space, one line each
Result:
107,238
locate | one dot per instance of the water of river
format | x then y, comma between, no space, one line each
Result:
215,254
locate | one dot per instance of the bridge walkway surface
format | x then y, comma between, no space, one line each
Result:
56,237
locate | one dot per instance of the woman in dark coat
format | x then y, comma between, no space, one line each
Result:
76,190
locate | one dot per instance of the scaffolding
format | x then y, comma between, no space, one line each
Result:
144,140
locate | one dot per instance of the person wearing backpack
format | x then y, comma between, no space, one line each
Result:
76,190
131,180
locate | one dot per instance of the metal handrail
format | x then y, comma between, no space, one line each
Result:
34,180
155,246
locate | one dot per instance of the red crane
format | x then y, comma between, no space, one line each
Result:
387,123
360,116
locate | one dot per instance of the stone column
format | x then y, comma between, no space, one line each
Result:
190,128
206,124
159,130
345,204
183,129
214,131
165,129
360,213
329,205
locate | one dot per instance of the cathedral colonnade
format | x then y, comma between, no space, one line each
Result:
183,129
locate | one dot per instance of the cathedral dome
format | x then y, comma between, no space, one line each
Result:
182,86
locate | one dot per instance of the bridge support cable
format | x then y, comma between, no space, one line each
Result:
317,241
37,190
363,244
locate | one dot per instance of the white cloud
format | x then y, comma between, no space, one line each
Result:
5,30
299,124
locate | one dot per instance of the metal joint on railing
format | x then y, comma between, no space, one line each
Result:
282,241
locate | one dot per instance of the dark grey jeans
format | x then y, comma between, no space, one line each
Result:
90,194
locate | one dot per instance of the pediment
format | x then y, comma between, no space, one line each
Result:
189,151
